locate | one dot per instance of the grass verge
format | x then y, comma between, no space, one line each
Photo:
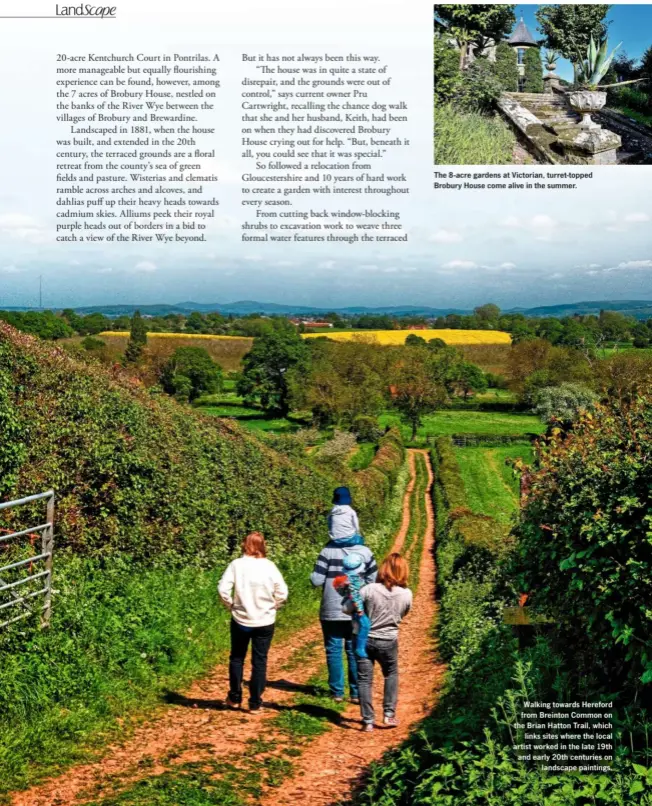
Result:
469,138
121,637
489,483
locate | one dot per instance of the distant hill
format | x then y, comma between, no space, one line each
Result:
244,307
640,309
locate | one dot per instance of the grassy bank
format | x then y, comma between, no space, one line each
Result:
121,637
469,138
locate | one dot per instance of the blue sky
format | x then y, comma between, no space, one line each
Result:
630,24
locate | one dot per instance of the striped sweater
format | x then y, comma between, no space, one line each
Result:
328,566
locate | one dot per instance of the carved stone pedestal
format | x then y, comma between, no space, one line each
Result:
551,81
582,146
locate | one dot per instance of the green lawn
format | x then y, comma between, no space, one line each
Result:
446,422
363,456
634,114
256,420
491,485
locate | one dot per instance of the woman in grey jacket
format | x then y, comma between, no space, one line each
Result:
386,602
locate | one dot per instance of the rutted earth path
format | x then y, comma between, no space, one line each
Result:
329,767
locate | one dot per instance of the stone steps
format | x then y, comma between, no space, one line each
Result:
549,109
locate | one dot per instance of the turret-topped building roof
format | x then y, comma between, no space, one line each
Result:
522,35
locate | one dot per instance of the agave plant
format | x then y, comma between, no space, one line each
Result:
551,58
590,71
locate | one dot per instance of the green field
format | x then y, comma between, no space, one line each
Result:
439,423
256,420
442,423
363,456
491,485
607,352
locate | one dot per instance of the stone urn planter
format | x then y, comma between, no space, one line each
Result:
585,102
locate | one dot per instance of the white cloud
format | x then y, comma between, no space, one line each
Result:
542,221
21,227
626,265
635,264
10,270
446,236
327,264
511,221
637,218
106,270
145,266
460,264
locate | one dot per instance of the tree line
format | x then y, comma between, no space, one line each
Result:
575,330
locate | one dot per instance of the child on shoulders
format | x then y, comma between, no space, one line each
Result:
343,524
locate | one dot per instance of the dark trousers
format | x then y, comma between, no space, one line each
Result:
385,653
261,639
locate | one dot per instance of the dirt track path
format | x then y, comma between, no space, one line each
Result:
197,722
330,768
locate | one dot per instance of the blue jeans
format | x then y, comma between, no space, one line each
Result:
338,636
360,640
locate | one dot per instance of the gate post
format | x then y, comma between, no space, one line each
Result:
47,543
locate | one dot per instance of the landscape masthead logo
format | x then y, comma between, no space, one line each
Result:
85,10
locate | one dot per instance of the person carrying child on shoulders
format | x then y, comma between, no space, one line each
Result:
337,627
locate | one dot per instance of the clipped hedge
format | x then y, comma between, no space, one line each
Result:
373,485
139,473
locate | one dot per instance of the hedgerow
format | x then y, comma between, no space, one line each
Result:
584,548
373,484
138,473
462,753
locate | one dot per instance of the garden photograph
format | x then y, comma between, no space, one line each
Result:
543,84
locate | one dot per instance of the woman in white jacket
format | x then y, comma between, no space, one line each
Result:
253,589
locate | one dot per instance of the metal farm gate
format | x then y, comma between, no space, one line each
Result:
28,580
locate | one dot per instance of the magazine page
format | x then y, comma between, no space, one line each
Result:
325,403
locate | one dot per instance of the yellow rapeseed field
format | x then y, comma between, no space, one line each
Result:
451,337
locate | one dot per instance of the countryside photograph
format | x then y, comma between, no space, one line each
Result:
501,454
543,84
